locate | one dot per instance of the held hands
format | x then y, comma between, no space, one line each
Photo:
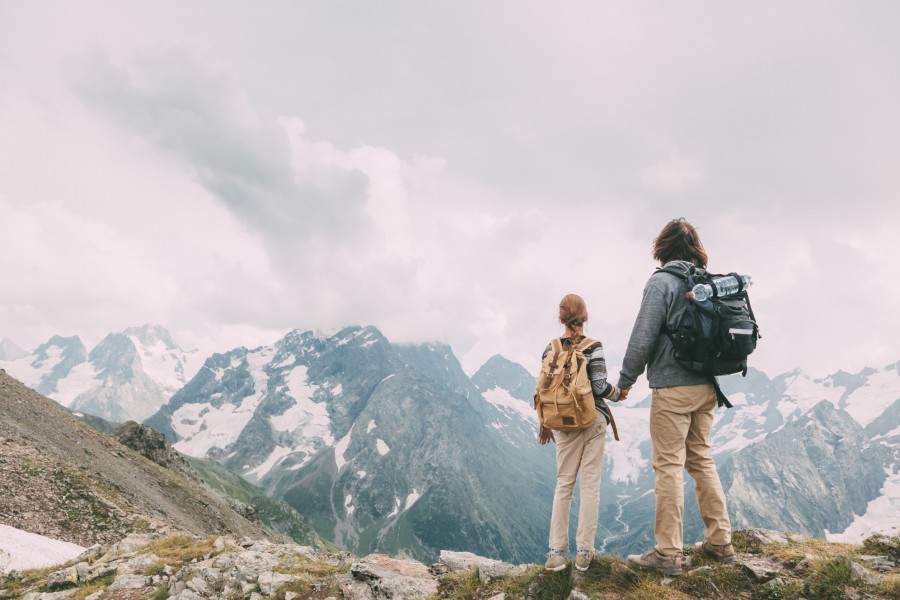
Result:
545,436
624,393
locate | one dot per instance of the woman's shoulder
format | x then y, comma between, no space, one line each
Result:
592,347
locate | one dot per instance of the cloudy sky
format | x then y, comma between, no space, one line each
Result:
447,171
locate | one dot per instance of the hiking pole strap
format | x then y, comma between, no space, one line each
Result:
721,399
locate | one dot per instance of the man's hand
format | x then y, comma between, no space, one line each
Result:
545,436
624,393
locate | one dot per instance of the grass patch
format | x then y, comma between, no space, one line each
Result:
829,579
160,594
790,590
157,568
720,580
179,550
607,575
890,586
649,589
547,585
883,545
536,584
94,586
14,588
308,589
303,565
463,585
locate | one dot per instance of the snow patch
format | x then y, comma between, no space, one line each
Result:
411,499
340,450
21,550
381,447
348,500
388,377
337,390
162,364
277,455
882,515
82,378
501,399
202,426
869,402
360,474
625,455
370,426
27,372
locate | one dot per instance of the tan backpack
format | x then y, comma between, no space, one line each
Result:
563,397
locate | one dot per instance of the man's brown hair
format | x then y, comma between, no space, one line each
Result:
678,240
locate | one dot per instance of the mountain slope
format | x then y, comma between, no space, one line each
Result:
67,481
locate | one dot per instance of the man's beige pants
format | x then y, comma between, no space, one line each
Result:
680,422
578,452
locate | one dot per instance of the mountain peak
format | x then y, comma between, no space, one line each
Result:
9,350
501,372
150,334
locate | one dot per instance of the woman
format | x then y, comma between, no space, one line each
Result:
579,450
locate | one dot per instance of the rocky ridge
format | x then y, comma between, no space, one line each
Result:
770,565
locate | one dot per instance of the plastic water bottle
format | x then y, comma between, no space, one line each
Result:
724,286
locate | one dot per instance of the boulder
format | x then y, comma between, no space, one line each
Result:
389,578
250,564
270,582
758,569
488,568
766,536
62,577
129,582
859,573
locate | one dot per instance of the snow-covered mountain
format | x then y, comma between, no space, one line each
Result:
381,446
127,376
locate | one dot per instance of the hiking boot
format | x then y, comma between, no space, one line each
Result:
583,559
652,559
556,560
723,553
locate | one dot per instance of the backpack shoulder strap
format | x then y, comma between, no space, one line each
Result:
678,271
556,346
585,343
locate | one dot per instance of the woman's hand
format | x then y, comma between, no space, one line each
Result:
545,436
624,393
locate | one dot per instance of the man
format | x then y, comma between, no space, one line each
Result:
681,413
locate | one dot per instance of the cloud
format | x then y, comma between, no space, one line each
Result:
453,179
181,100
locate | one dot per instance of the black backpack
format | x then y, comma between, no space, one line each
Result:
715,336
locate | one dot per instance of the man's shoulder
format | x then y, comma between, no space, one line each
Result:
667,277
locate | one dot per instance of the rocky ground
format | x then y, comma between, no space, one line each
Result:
771,566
